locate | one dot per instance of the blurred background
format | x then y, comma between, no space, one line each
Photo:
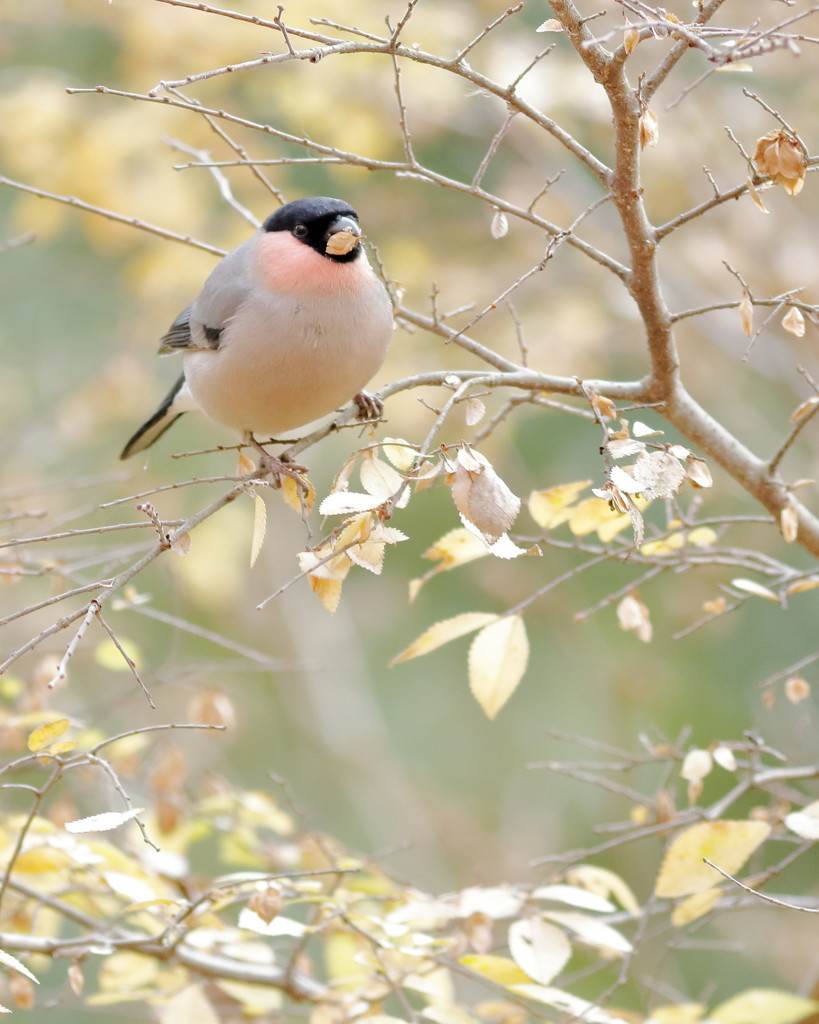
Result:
399,762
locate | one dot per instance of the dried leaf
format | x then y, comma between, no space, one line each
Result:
755,196
698,472
44,734
475,411
539,948
804,409
727,843
382,481
259,528
631,37
481,497
780,157
789,523
550,25
640,429
764,1006
809,583
500,224
442,632
267,903
633,617
181,544
76,979
103,822
797,689
746,313
622,447
649,129
657,475
497,660
794,322
22,991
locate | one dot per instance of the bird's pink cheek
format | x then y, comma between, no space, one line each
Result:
286,265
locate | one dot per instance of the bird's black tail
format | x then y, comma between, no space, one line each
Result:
156,426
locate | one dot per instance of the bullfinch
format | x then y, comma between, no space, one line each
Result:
288,327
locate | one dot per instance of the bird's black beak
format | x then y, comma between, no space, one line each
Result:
343,235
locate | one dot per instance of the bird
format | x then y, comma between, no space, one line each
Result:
289,326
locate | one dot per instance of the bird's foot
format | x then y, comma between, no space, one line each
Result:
277,468
370,407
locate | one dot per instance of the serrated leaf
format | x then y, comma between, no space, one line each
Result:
540,949
763,1006
103,822
499,969
343,503
44,734
440,633
497,660
259,528
11,961
399,452
727,843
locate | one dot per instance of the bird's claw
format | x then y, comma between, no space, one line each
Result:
276,468
370,407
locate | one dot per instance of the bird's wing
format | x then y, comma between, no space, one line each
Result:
200,325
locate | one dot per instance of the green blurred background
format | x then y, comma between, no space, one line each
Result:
398,761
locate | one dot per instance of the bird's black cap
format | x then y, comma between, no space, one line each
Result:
311,221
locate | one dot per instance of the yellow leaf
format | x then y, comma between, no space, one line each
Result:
693,907
295,496
497,660
668,546
42,859
499,969
44,734
456,548
604,883
245,465
400,452
327,591
550,507
259,528
594,514
727,843
108,655
442,632
678,1013
809,583
764,1006
702,537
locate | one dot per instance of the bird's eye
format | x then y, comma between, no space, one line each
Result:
300,231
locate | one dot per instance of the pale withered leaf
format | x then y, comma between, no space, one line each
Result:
482,497
794,322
